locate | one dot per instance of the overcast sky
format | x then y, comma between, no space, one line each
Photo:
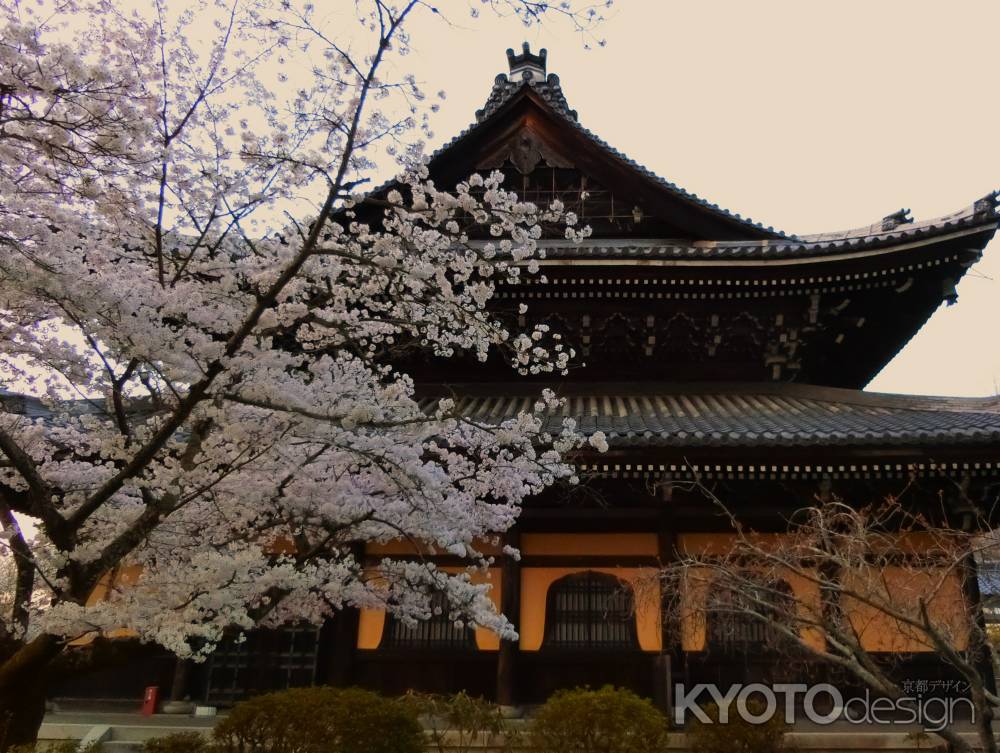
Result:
803,115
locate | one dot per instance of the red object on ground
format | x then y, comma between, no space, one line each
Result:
149,699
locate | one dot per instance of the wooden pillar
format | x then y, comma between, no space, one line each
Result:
179,685
973,596
344,644
510,605
343,640
663,680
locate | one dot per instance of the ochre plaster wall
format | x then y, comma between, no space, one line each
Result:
903,588
120,577
878,631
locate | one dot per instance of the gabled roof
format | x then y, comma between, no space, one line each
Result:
744,238
545,92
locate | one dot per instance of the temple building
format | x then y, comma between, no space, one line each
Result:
714,349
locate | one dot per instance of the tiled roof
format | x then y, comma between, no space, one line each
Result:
980,213
34,407
989,583
779,415
54,412
693,416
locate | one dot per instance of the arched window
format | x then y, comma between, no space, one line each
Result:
438,631
590,610
734,615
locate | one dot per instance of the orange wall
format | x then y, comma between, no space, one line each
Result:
371,623
116,579
878,631
709,544
110,582
535,584
902,588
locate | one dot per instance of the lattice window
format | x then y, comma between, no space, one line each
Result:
437,632
265,660
593,204
590,610
733,622
606,213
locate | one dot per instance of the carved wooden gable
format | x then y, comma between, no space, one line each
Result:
542,172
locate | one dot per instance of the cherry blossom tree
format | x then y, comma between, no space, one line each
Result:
210,317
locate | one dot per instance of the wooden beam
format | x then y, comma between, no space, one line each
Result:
666,538
536,560
510,605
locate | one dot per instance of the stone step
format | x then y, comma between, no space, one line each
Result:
116,738
143,732
121,746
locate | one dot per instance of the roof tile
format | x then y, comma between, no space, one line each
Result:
766,415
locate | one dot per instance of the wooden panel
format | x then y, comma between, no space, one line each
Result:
588,543
395,672
542,673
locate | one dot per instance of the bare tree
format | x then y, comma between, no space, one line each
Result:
867,582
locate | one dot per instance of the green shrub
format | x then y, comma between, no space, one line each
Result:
320,720
737,735
456,723
180,742
609,720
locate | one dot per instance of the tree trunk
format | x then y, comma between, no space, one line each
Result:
23,684
21,713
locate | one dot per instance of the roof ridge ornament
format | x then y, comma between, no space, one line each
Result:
526,69
526,66
988,205
894,220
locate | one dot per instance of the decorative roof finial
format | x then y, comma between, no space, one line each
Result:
526,66
527,70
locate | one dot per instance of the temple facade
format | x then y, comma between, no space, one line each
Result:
713,349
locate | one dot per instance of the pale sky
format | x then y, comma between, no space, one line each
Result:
803,115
